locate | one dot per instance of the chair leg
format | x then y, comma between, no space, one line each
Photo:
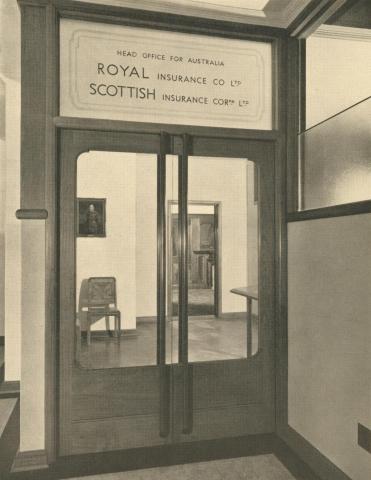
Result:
78,343
118,326
88,336
107,326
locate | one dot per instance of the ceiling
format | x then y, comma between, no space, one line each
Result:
273,13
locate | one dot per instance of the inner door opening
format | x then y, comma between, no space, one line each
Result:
203,258
145,227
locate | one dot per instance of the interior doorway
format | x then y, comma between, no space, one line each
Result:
203,258
147,381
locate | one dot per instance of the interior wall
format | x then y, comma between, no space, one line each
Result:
112,176
210,179
224,180
338,71
2,206
329,272
329,280
10,186
146,242
32,392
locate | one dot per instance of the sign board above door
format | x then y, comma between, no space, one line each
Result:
143,75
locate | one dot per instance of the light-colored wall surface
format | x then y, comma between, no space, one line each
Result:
2,205
129,252
146,241
329,272
338,73
110,175
32,395
10,185
225,180
329,275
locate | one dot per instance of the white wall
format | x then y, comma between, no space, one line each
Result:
110,175
32,394
146,241
10,184
329,271
329,275
338,71
225,180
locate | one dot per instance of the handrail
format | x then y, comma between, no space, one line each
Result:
342,112
161,287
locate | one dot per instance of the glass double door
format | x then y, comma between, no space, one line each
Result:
166,296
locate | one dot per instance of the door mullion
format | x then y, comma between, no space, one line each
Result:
161,249
183,260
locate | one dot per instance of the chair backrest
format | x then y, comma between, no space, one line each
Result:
101,292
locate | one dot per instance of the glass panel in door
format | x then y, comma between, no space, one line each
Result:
223,259
116,259
224,382
114,382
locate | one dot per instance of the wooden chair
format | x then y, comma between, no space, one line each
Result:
102,302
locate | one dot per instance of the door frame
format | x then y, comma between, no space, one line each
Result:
39,152
218,272
199,146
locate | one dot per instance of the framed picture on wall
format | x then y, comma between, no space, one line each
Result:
91,217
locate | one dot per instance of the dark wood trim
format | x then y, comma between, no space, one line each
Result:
31,460
9,441
50,11
281,300
292,129
120,461
183,250
218,260
161,248
69,123
33,105
51,236
355,208
318,13
296,466
31,214
313,458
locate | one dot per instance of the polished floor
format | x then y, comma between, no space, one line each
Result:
209,338
262,467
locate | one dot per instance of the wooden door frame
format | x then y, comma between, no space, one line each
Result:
39,152
80,141
218,277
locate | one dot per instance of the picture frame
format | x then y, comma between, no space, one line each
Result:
91,217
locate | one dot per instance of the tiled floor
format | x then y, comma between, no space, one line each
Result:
262,467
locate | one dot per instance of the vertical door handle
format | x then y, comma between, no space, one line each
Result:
161,287
183,288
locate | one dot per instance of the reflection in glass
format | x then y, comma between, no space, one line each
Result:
335,159
222,259
116,259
